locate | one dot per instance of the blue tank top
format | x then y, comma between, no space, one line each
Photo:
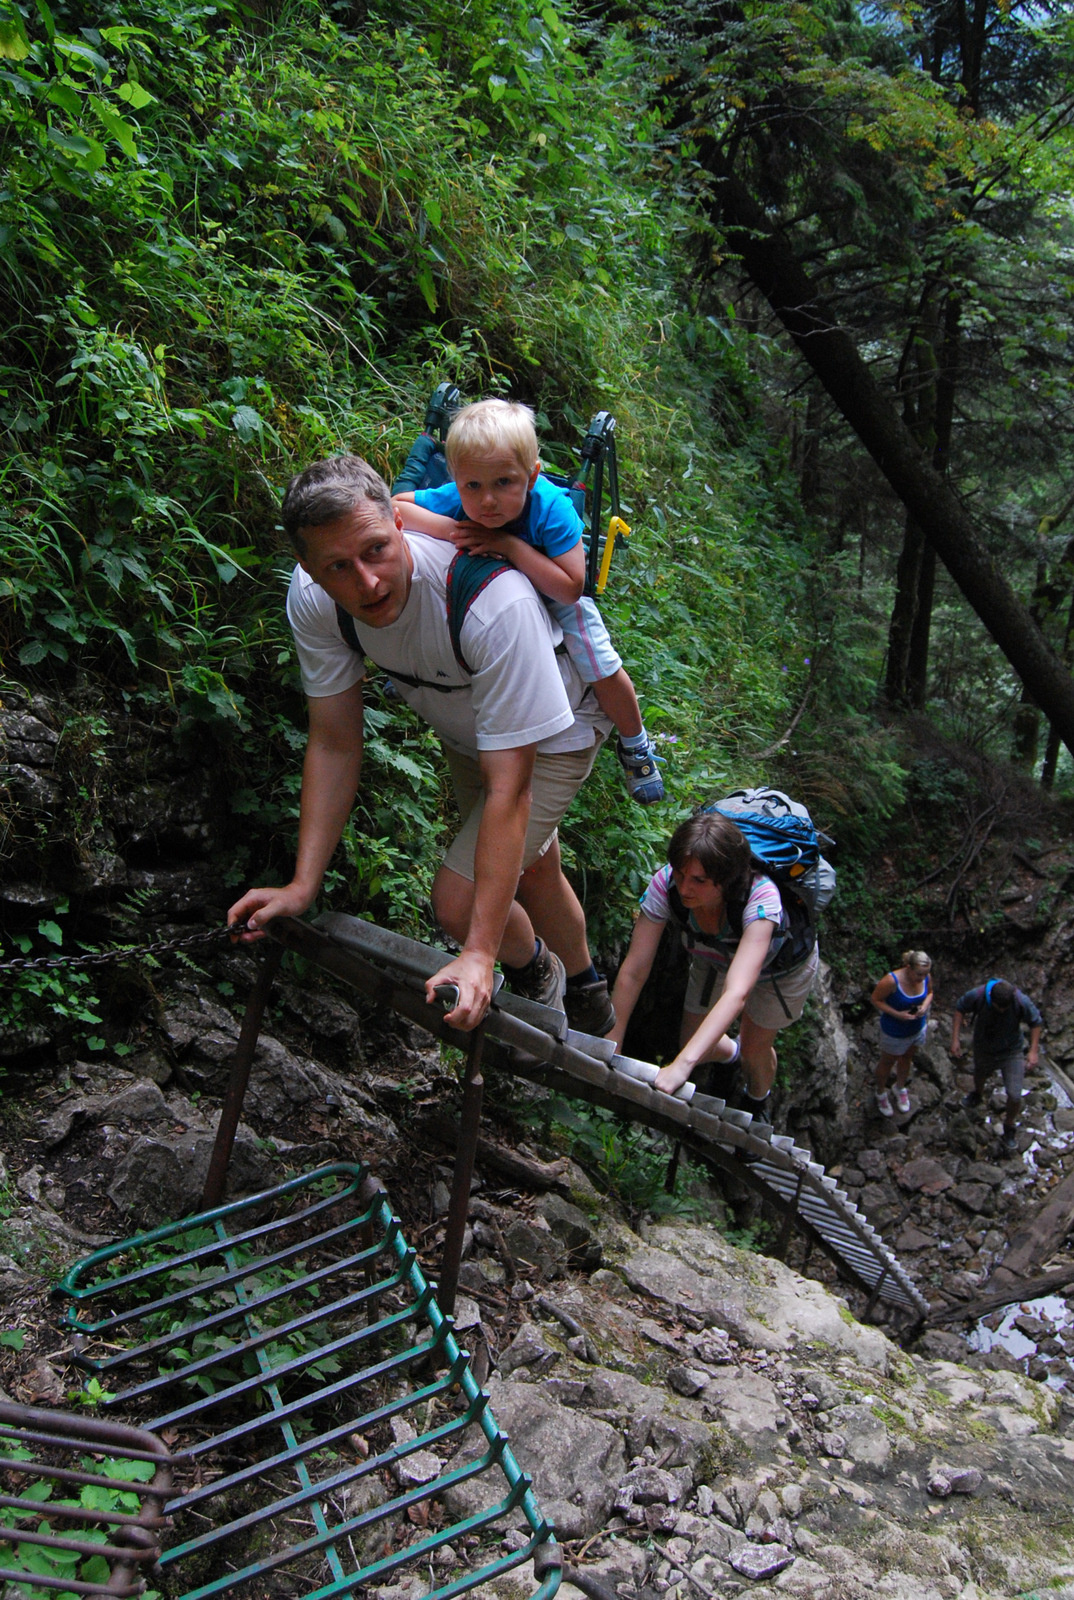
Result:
895,1027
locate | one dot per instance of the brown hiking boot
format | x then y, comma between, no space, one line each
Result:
589,1008
544,980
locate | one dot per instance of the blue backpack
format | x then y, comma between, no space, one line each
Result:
785,846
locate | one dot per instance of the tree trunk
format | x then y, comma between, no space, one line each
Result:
904,615
1051,754
917,665
835,360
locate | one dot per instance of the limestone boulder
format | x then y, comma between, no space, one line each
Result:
756,1299
866,1438
160,1179
576,1461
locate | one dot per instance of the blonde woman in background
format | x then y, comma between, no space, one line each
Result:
903,998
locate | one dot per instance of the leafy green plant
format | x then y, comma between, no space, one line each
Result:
205,1296
51,1563
626,1160
45,996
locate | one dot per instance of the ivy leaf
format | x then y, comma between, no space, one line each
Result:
135,96
68,99
14,45
121,131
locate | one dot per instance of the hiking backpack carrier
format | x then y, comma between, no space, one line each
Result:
785,846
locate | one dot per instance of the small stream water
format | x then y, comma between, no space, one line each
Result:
1020,1329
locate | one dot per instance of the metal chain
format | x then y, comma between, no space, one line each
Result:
102,957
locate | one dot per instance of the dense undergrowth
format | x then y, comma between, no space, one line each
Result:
237,238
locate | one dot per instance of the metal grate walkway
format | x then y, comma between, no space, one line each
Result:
292,1354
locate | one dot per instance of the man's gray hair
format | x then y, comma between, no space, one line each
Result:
330,490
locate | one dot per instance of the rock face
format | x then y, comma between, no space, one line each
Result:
815,1109
816,1458
577,1459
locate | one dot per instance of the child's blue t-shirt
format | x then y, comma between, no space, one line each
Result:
548,520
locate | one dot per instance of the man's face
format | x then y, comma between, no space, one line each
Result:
362,562
493,488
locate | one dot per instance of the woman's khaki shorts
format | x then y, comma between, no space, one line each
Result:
556,781
764,1005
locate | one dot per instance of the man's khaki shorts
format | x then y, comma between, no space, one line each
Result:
764,1006
556,781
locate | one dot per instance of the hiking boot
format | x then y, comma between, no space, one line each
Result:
758,1109
972,1100
902,1101
544,980
641,772
589,1008
1008,1142
883,1104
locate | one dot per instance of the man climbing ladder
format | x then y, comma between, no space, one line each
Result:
517,729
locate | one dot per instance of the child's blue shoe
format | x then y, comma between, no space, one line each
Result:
641,771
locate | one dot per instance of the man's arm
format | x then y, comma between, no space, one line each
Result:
956,1035
1034,1046
330,775
498,853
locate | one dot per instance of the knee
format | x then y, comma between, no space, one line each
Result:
453,898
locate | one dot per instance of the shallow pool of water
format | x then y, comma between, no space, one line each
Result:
1050,1308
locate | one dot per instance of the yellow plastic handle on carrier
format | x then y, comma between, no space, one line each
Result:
617,528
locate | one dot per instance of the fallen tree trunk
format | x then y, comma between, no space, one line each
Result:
1039,1237
1017,1289
523,1170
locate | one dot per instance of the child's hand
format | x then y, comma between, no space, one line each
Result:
482,541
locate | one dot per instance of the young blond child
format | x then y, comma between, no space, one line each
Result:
500,504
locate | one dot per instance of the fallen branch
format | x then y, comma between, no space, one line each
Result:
1037,1239
1025,1289
763,755
523,1170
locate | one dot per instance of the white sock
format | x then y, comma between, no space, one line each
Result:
634,741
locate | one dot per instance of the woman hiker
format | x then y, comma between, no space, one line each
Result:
903,998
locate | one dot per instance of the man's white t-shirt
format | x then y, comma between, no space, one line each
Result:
521,692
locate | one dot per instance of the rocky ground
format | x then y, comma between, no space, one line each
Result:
698,1418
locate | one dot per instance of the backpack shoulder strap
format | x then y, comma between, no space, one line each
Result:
467,577
349,635
348,631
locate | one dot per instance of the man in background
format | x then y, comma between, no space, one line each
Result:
999,1010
